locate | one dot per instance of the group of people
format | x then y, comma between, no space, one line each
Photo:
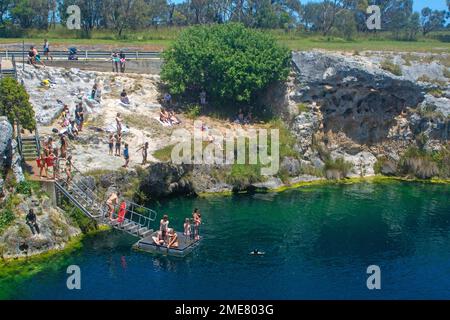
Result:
241,118
51,156
168,236
34,58
118,61
72,124
168,117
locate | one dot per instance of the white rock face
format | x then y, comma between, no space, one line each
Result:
363,163
66,87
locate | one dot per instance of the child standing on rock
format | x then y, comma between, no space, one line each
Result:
126,155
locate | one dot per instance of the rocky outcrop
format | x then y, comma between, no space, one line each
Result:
9,153
355,97
350,108
56,229
163,179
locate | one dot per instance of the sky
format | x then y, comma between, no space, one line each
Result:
418,4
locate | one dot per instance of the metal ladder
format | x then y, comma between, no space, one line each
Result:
137,220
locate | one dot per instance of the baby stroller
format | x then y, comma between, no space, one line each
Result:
73,53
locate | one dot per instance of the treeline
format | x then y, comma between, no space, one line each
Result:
342,17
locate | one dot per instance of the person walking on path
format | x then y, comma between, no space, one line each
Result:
47,49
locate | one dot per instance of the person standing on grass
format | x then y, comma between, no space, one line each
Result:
47,49
126,155
144,149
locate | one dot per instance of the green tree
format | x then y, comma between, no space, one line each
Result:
432,20
15,104
229,61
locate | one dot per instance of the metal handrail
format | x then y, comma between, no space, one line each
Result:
86,54
89,197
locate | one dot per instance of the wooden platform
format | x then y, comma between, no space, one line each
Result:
32,169
186,246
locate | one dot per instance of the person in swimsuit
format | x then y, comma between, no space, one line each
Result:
164,223
187,227
144,149
111,144
112,201
159,238
173,239
63,147
42,161
118,144
119,123
69,169
196,215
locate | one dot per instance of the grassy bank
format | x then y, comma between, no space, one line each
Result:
161,38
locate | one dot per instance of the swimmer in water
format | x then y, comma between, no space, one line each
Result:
256,252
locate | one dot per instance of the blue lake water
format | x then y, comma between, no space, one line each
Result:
318,241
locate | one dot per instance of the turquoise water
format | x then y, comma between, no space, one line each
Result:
318,241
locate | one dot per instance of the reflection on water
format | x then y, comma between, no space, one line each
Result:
318,243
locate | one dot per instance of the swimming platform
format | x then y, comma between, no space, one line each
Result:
186,244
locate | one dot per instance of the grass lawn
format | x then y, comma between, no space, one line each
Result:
161,38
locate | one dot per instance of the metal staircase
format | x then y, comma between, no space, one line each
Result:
136,222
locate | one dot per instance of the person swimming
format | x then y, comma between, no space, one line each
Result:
256,252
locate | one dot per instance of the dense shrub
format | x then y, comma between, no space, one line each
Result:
6,218
418,163
337,168
229,62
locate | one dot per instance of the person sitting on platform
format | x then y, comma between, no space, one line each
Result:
173,239
159,238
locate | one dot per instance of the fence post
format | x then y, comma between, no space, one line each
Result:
137,55
6,57
86,55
